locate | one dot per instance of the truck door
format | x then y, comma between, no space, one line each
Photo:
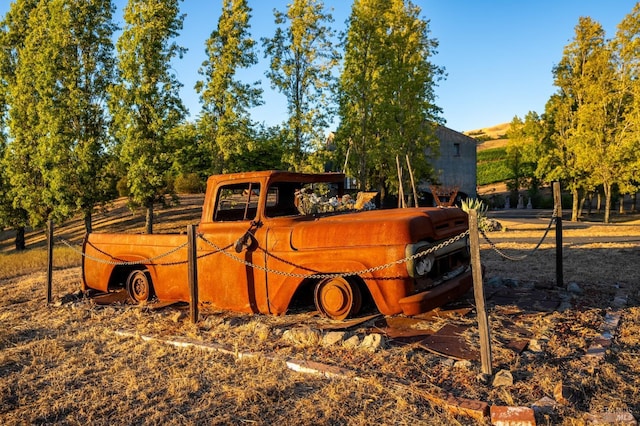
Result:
229,268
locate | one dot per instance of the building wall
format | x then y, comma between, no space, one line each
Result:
457,163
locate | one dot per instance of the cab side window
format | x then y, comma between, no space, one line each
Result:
238,202
281,198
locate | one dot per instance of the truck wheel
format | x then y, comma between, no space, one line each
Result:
139,286
337,298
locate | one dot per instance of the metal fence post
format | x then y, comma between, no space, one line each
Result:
193,270
478,293
557,205
49,261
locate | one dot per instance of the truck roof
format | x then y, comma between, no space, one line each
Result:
281,176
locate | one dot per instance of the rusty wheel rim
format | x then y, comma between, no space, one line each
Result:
336,298
138,286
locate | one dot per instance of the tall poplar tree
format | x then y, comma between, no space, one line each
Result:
576,76
145,102
57,108
626,48
302,58
226,100
13,31
26,153
386,91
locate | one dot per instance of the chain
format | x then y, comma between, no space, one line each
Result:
118,262
138,262
341,274
224,251
524,256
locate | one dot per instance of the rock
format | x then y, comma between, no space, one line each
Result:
502,378
176,317
545,405
574,288
536,345
448,362
333,337
565,395
302,336
492,225
462,364
494,282
373,342
611,418
261,331
351,342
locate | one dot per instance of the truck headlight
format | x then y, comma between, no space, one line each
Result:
424,264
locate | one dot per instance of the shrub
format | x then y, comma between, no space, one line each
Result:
122,187
480,207
189,183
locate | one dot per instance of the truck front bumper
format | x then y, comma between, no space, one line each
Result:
438,296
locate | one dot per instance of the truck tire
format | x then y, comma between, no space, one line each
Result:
139,286
337,298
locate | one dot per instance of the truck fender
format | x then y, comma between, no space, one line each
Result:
280,302
124,270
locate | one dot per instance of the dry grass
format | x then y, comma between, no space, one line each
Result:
66,363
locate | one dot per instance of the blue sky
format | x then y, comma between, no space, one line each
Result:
498,54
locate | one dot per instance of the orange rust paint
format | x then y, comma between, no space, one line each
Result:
269,248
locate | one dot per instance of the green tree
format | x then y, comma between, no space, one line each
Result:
626,146
26,155
58,125
190,152
524,147
579,81
85,73
14,28
386,92
302,58
145,101
226,100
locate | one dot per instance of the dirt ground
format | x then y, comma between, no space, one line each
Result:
77,362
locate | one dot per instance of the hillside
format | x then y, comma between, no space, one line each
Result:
492,168
490,137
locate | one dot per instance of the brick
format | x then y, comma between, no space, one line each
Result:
512,416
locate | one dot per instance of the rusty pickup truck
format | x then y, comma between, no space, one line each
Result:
268,241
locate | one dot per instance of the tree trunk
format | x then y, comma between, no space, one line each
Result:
599,204
88,222
633,203
576,201
621,211
149,219
590,205
607,202
20,240
583,199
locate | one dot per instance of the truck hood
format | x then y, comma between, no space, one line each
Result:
379,227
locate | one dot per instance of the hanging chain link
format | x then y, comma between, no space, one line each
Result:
150,261
340,274
119,262
224,251
524,256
